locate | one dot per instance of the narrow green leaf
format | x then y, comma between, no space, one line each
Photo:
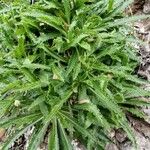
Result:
29,86
85,45
94,110
76,70
20,50
136,92
19,121
123,21
128,130
137,102
58,106
105,101
80,128
110,5
53,143
66,4
28,74
58,73
50,20
38,137
43,108
77,39
51,53
37,101
4,106
72,63
64,140
10,86
137,112
122,6
36,66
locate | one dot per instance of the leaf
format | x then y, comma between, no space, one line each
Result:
36,102
137,112
29,86
122,6
136,92
58,106
66,4
29,22
49,5
4,106
80,128
52,21
95,111
131,19
110,5
135,79
10,86
72,63
58,42
137,102
38,137
35,66
77,40
43,108
7,9
85,45
104,100
52,54
76,70
58,72
64,140
20,50
19,121
128,130
28,74
53,143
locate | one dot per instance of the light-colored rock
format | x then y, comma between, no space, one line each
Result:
111,147
120,136
146,7
2,133
142,143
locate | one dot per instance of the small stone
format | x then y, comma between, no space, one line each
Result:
17,103
146,7
112,134
83,101
41,24
2,133
111,147
55,77
120,136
